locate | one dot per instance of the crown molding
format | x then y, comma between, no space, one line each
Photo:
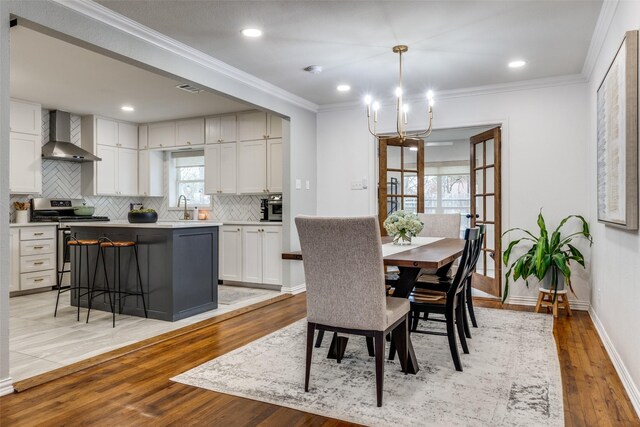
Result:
600,32
548,82
107,16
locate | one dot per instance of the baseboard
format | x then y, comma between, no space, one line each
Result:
6,386
251,285
298,289
618,364
531,301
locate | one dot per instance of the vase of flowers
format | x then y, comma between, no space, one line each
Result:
402,226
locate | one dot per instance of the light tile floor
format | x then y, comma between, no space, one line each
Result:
40,342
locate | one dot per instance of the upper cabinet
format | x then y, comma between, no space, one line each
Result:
25,148
162,135
25,117
143,137
274,126
189,132
127,136
221,129
116,134
258,125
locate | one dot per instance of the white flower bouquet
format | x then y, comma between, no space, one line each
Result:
403,225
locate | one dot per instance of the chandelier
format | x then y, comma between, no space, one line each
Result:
402,109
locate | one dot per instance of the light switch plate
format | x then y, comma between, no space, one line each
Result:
298,184
308,185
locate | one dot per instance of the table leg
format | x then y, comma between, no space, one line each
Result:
406,281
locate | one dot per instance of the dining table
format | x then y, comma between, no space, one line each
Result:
434,253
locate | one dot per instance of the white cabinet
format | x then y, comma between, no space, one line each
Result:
25,148
151,173
25,117
274,165
252,126
117,173
14,259
274,127
261,254
220,169
221,129
127,136
25,163
33,257
252,167
230,255
143,137
189,132
162,135
116,134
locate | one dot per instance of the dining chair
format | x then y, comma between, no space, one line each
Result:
440,225
449,303
344,277
434,283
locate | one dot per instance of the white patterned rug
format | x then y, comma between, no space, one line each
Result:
512,376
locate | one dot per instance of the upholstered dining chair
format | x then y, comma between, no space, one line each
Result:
440,225
344,276
451,302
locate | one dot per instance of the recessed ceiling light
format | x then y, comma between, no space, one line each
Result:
517,64
127,108
251,32
343,88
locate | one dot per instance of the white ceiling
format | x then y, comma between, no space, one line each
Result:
452,44
63,76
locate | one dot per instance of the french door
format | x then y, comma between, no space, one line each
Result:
401,177
486,208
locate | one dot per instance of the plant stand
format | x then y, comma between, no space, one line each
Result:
545,299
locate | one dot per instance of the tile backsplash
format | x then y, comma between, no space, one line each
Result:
62,179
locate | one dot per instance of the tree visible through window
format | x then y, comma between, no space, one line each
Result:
189,179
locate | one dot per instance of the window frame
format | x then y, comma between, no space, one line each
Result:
174,181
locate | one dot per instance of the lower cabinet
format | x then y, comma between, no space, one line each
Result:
251,254
33,257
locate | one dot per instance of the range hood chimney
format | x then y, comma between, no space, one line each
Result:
59,146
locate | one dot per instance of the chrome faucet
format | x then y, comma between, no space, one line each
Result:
186,215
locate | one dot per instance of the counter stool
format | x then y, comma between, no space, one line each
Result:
545,299
78,246
118,294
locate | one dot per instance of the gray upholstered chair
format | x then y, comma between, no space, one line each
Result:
345,287
440,225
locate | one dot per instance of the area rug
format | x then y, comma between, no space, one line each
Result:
510,378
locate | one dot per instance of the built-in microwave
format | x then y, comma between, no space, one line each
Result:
274,206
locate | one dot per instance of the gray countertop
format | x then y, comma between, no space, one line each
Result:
159,224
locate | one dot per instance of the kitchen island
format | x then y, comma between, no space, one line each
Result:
178,265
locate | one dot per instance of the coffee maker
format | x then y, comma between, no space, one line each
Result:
264,209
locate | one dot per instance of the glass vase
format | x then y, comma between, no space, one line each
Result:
402,239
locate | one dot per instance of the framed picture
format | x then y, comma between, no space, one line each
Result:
617,121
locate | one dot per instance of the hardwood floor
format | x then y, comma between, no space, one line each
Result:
135,389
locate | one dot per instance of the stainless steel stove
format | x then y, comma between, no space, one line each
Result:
61,211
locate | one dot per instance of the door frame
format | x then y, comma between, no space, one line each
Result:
502,122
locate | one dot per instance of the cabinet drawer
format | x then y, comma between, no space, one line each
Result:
38,279
33,233
31,263
37,247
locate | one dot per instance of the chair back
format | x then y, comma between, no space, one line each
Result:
440,225
478,247
467,264
344,271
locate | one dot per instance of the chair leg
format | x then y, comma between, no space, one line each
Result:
392,347
453,346
379,349
370,348
415,318
463,315
319,339
460,325
469,301
311,329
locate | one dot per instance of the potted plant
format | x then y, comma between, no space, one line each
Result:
142,216
548,257
402,226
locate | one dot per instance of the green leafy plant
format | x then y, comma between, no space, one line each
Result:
143,211
547,253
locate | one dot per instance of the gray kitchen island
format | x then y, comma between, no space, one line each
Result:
178,265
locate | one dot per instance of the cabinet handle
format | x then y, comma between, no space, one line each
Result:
38,263
38,234
238,229
38,280
38,247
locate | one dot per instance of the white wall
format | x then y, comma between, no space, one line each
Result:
616,253
544,157
72,20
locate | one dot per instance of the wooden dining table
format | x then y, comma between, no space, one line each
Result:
438,254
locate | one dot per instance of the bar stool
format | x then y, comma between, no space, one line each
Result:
118,294
77,246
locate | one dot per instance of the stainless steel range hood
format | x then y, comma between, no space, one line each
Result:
59,146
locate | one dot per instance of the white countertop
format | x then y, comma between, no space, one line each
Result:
266,223
34,224
159,224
